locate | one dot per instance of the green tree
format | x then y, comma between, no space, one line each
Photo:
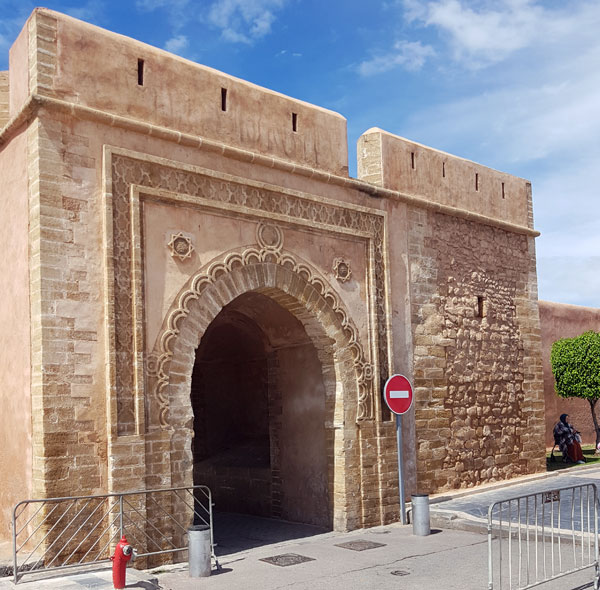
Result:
576,369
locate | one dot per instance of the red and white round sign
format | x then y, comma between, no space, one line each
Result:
398,394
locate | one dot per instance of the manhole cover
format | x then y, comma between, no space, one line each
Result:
360,545
287,559
400,573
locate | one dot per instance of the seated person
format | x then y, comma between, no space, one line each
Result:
568,440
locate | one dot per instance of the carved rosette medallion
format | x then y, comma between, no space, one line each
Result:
269,237
342,270
181,246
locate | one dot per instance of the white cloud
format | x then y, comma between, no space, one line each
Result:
567,213
178,11
484,33
411,55
543,103
533,116
285,52
177,44
481,33
243,21
239,21
90,11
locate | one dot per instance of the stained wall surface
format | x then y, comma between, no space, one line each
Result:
560,320
179,94
15,338
151,215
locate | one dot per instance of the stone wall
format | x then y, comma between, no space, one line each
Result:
478,402
474,315
559,320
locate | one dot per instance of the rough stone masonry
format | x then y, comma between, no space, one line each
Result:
194,290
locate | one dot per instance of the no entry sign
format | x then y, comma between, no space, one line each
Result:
398,394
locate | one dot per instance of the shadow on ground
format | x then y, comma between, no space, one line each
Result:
240,532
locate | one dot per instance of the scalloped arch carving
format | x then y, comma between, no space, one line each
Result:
271,271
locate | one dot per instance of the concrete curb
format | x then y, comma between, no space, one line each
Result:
458,521
508,483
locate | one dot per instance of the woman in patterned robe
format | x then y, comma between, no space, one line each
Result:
568,440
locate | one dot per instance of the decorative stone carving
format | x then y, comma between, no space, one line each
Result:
163,352
341,270
133,169
269,236
181,246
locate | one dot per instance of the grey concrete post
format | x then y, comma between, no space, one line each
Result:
199,551
420,514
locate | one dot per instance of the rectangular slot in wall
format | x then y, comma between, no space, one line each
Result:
140,72
503,194
476,181
480,309
223,99
443,169
294,122
412,160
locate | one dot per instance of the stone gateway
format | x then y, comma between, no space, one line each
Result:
195,291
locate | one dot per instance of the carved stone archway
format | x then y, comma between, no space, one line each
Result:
301,290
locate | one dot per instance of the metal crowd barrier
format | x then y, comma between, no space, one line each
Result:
540,537
63,533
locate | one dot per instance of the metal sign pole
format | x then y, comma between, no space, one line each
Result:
398,395
400,468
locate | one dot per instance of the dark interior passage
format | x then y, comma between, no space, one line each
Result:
259,406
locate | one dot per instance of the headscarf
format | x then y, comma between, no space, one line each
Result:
563,418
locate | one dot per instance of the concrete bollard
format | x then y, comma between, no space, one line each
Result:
199,550
420,514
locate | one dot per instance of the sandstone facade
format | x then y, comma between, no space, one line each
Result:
153,206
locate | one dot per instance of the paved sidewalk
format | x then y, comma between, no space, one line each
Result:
95,579
399,560
469,511
452,560
391,556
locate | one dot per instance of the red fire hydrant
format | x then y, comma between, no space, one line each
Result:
123,553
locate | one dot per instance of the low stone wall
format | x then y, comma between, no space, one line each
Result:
559,320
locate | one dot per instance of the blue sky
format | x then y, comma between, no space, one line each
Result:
512,84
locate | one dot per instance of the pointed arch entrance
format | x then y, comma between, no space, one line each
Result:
278,279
